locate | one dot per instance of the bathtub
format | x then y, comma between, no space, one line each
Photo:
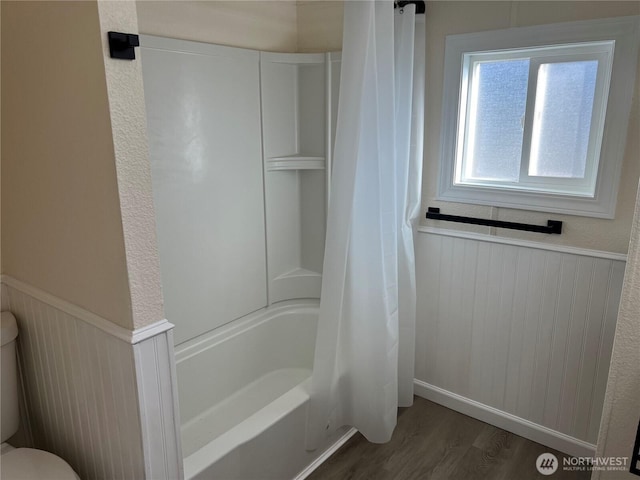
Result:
243,392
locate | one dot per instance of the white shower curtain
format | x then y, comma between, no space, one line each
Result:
363,368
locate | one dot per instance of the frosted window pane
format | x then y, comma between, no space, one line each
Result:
562,121
496,117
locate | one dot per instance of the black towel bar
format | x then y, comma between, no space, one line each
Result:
553,226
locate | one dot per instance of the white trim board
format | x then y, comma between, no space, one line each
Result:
158,405
129,336
621,257
325,456
506,421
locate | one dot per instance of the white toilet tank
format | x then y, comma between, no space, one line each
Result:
10,419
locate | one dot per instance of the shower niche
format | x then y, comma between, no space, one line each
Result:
296,151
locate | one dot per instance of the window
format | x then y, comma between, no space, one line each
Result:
533,118
536,117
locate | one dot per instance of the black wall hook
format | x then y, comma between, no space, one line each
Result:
121,45
420,6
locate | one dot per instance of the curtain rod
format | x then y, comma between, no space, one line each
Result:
420,7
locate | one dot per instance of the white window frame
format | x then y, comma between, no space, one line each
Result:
602,52
623,32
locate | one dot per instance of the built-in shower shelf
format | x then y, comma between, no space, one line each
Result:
298,273
295,162
296,283
295,107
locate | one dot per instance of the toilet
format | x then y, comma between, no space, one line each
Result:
21,463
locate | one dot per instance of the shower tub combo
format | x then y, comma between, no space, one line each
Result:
240,146
244,394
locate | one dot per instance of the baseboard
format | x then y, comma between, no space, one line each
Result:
323,458
525,428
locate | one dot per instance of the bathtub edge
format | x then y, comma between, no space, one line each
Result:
309,469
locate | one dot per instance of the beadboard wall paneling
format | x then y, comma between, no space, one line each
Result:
80,389
527,331
102,400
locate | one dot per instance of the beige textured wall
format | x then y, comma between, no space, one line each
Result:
129,131
263,25
61,224
445,18
320,25
621,411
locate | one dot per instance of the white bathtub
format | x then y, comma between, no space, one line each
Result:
243,397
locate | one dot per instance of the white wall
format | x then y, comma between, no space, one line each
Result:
207,179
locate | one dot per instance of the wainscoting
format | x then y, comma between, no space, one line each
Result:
517,334
99,396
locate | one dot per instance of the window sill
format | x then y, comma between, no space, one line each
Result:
525,200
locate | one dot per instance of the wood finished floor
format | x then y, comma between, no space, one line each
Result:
432,442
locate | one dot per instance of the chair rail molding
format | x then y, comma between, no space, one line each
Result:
98,395
129,336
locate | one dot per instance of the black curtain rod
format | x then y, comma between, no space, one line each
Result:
553,226
420,7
